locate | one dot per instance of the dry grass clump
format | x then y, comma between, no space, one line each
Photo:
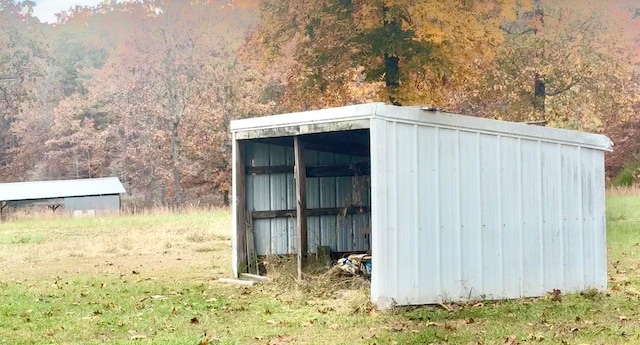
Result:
326,287
623,190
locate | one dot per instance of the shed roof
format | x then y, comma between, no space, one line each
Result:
360,116
60,189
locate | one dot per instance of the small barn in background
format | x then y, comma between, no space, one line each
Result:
451,207
81,196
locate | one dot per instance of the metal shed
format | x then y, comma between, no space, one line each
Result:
75,196
451,207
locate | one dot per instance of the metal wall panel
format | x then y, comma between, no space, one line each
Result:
277,192
552,215
470,217
102,203
458,215
511,212
532,222
490,226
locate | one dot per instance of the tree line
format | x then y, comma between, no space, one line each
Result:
145,89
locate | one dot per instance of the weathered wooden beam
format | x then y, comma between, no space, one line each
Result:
311,212
301,202
305,129
354,142
252,258
356,169
2,207
241,205
279,169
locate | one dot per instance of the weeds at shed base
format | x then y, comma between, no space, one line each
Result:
322,285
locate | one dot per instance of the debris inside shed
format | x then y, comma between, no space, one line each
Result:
354,264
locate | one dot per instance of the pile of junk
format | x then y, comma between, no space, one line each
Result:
355,264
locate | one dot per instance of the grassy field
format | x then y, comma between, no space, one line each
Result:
152,279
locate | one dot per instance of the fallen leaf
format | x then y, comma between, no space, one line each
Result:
135,272
194,320
174,311
470,321
622,318
307,323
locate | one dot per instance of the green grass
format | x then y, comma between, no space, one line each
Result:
152,279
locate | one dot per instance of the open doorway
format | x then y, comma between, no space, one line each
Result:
337,191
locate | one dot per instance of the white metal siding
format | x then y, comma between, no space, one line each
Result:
461,214
107,203
462,207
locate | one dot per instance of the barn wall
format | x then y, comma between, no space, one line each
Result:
102,203
268,192
459,214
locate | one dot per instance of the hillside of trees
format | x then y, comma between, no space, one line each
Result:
145,89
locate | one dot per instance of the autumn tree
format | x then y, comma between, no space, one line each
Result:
567,65
24,87
166,94
414,52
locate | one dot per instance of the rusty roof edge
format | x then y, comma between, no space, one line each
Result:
345,113
431,117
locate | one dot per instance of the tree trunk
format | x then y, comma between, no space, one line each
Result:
175,160
393,28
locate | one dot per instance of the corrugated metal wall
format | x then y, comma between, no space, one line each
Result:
459,214
109,203
268,192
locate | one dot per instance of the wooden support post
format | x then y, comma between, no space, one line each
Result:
252,258
2,206
240,206
301,202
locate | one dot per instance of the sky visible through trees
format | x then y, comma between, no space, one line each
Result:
145,89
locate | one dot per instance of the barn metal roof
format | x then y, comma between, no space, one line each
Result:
60,189
361,116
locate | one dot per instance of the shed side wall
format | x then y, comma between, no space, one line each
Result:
462,215
101,203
